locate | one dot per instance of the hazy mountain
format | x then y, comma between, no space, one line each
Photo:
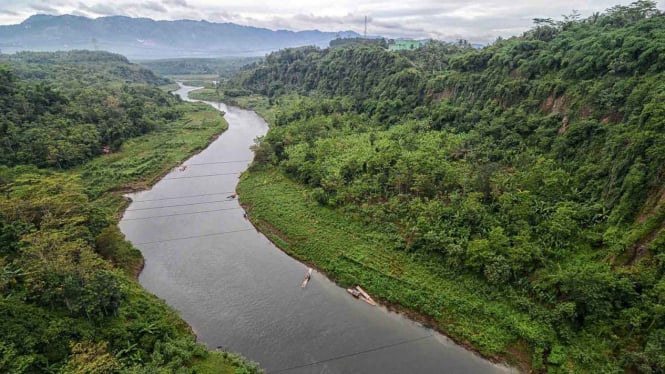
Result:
145,38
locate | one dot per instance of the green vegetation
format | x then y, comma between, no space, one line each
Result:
143,160
207,94
196,80
215,67
200,83
202,72
170,87
258,103
351,252
68,302
224,363
78,68
75,111
512,195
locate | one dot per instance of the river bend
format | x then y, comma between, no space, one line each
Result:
239,292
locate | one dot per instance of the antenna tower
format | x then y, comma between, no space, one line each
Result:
365,27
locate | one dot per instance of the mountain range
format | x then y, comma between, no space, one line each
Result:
144,38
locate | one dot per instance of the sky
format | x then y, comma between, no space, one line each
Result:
476,21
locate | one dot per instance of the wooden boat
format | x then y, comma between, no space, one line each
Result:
308,276
359,293
365,296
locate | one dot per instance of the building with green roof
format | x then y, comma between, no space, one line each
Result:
403,45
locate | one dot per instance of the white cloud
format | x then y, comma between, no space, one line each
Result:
43,8
98,9
473,20
177,3
153,6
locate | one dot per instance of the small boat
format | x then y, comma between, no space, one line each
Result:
359,293
366,295
308,276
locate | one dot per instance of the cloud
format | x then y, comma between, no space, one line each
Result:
188,13
224,16
311,19
43,8
99,9
176,3
475,21
154,6
8,12
79,13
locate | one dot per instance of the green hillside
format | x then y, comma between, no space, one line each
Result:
69,302
512,195
219,67
78,67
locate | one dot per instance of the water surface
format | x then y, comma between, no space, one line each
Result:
239,292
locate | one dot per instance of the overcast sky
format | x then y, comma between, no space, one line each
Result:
477,21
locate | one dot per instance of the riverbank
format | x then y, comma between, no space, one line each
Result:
350,253
143,161
207,94
257,103
138,165
416,285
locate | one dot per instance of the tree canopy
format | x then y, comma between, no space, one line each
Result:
67,300
535,164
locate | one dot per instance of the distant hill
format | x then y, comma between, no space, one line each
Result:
79,67
144,38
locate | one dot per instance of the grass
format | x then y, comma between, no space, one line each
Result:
208,94
351,253
196,80
199,83
169,87
193,77
258,103
214,363
142,161
217,362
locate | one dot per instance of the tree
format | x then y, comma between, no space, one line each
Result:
91,358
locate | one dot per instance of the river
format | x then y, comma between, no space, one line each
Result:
241,293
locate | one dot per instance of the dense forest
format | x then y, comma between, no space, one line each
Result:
68,302
530,173
61,109
223,67
78,68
